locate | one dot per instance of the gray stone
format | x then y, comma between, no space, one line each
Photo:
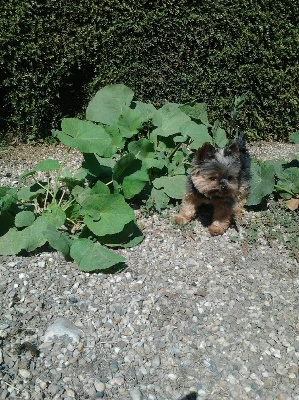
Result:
136,394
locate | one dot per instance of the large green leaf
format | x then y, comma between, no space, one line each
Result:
106,214
197,132
8,196
117,138
158,199
168,119
33,236
92,256
59,241
142,148
24,218
73,179
98,167
219,136
108,104
147,110
134,183
130,122
294,137
10,243
262,182
197,111
125,166
173,186
100,188
288,182
47,165
177,165
31,192
85,136
130,236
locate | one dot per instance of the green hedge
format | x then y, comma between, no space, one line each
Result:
55,56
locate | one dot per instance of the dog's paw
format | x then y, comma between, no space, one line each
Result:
180,219
217,228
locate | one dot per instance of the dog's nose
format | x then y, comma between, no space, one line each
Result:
223,184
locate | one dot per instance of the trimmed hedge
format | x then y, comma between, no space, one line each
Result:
55,56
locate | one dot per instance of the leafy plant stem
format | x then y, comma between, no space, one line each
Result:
71,221
46,188
174,151
67,204
285,190
58,174
61,198
36,206
150,176
47,193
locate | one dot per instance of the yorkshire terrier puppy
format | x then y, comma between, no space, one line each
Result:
220,177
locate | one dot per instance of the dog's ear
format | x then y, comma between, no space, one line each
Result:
231,149
206,151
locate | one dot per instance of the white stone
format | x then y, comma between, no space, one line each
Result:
172,377
100,386
63,327
24,373
70,392
43,385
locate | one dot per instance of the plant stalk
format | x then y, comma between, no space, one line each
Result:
59,173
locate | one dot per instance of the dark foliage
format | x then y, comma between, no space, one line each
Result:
55,55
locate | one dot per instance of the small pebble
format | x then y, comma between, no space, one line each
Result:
43,385
118,380
114,366
73,299
99,385
136,394
156,361
24,373
70,392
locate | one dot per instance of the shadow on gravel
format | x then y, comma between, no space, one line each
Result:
190,396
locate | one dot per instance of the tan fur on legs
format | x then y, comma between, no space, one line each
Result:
221,220
188,211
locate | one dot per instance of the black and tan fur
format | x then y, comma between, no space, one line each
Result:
219,177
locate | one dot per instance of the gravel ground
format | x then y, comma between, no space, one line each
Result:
191,317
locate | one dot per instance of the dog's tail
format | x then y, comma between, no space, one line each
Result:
241,142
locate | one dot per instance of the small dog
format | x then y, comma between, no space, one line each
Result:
219,176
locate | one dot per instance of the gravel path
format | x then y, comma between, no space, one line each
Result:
191,317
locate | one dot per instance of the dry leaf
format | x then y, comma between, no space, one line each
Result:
292,204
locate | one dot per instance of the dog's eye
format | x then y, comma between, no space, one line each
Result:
230,178
213,178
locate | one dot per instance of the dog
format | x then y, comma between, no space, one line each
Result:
220,177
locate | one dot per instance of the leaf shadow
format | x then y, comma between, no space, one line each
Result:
291,164
190,396
115,269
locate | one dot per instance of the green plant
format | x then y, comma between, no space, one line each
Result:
276,224
132,152
279,177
